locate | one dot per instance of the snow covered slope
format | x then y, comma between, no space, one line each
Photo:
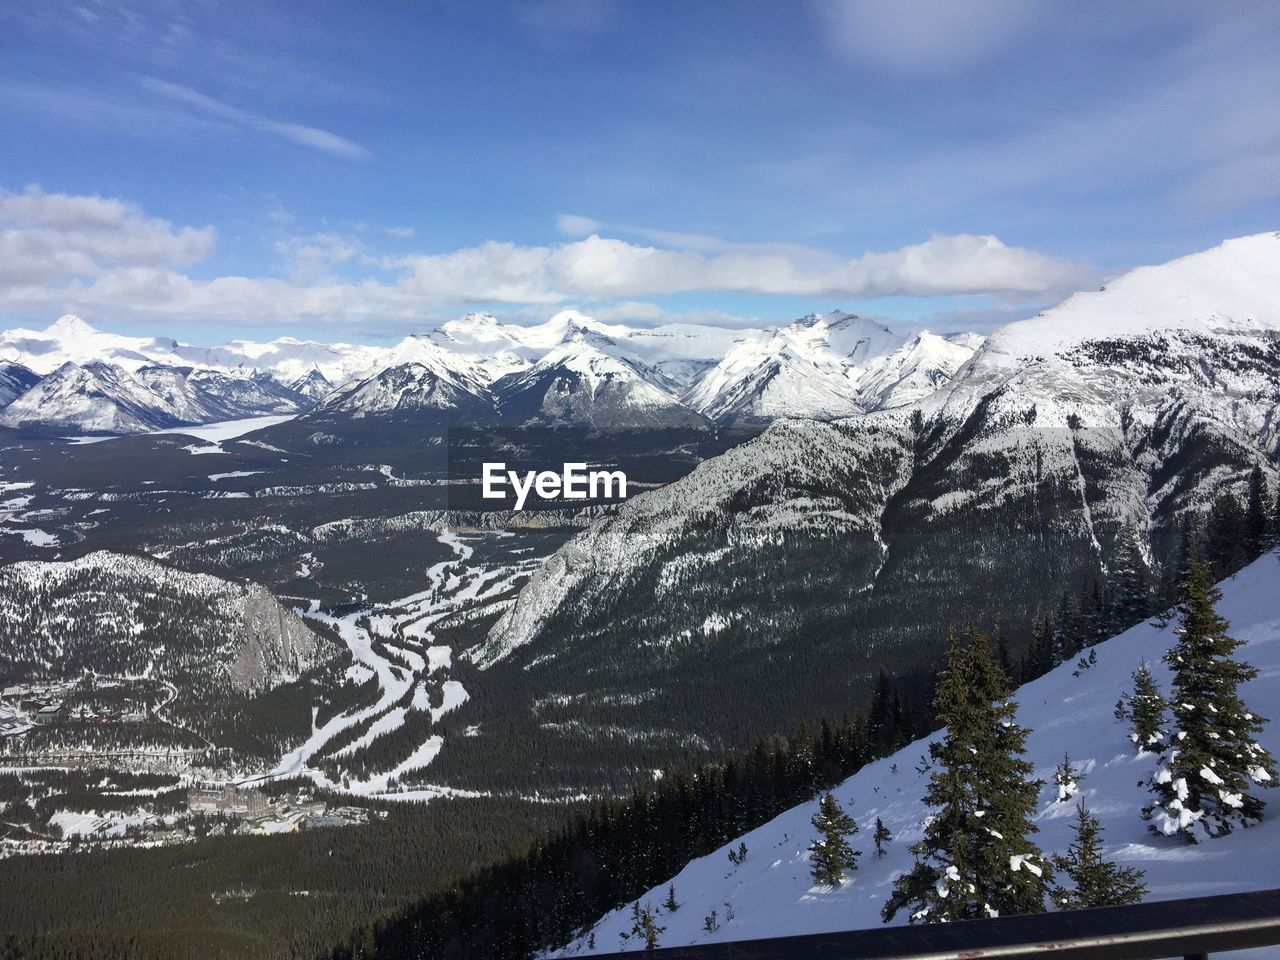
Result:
771,893
1204,323
105,398
312,385
579,383
71,339
680,351
15,380
826,367
421,385
94,398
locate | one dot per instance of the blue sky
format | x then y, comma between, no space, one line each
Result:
361,170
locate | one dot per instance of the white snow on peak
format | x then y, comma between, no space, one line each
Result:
824,367
70,339
1231,288
441,362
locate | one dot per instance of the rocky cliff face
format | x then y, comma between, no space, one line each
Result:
275,644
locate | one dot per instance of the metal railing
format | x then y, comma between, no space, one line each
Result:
1191,928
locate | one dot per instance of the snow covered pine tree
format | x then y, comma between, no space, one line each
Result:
1210,758
830,854
975,859
1145,710
1067,778
1096,882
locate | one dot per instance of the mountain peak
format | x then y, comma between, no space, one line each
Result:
69,325
1234,286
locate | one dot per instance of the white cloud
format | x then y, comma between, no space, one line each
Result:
573,225
104,255
301,134
923,36
607,267
50,237
402,233
309,258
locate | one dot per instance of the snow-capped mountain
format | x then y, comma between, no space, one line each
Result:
94,398
1069,711
820,366
15,380
923,363
1012,482
104,398
826,367
406,388
312,385
71,339
578,383
678,351
202,396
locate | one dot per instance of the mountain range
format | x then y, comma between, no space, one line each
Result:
477,370
782,572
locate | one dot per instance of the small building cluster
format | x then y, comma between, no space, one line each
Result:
259,813
12,724
22,707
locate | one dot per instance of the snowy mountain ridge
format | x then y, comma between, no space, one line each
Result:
815,367
1099,423
1069,711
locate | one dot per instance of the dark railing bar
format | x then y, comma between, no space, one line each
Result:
1190,928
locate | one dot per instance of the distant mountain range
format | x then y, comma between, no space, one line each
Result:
570,370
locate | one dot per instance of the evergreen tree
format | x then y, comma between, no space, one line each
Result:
1003,657
831,854
881,837
1144,708
1179,565
1067,778
1211,758
1257,520
1129,586
1095,620
1040,658
649,928
671,904
975,858
879,719
1274,538
1066,630
1095,881
1226,536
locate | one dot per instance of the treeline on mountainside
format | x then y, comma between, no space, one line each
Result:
623,847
